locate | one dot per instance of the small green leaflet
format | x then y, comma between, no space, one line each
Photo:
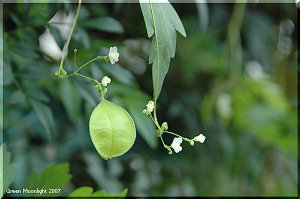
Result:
88,192
7,169
161,22
52,177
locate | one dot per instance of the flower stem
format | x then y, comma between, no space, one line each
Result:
186,139
69,39
166,146
82,66
75,60
81,75
92,60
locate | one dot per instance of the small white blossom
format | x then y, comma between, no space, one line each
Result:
105,80
150,106
176,144
200,138
113,55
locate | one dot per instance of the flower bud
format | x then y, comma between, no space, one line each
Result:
192,143
200,138
164,126
62,72
56,74
158,132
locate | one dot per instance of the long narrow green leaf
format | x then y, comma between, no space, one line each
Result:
161,22
106,24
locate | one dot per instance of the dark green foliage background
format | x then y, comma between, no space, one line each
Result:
251,151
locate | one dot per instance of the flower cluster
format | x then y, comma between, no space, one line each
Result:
176,144
150,108
178,140
113,57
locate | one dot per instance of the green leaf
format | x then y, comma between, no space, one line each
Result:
135,103
82,192
120,73
144,124
70,98
17,97
86,92
24,49
103,194
44,115
52,177
15,19
105,24
161,22
8,77
88,192
56,34
39,95
7,168
84,37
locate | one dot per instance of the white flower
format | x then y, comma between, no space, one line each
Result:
176,144
105,80
150,106
200,138
113,55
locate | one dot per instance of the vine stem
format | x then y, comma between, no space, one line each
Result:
155,122
186,139
81,67
76,72
75,60
162,140
92,60
154,114
92,79
95,81
69,39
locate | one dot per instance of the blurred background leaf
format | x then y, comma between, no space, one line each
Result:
52,177
7,169
88,192
106,24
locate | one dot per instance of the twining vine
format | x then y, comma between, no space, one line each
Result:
162,22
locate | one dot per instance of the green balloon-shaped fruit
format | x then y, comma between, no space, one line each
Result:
112,130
